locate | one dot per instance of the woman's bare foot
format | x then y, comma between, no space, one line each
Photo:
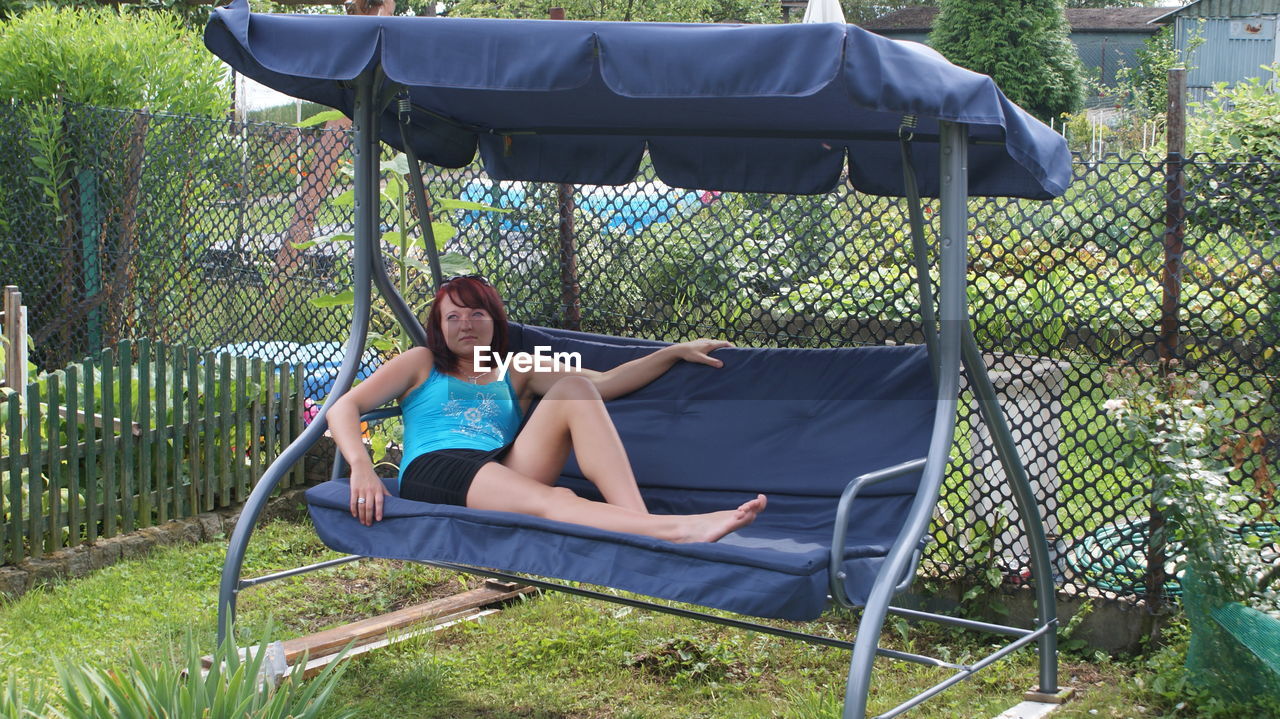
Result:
714,525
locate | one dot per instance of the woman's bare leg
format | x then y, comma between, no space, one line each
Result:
499,488
572,415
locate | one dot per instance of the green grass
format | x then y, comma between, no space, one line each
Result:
151,604
550,656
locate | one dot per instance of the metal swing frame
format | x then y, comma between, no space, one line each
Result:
951,345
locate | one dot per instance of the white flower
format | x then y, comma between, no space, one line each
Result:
1116,407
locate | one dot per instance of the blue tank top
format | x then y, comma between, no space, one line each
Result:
447,413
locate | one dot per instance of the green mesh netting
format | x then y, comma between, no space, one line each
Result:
1235,650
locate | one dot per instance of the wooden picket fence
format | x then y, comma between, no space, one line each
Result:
141,434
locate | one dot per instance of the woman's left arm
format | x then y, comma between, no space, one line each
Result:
631,376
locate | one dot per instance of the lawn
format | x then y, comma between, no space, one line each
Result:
548,656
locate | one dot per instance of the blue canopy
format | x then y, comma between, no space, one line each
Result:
764,108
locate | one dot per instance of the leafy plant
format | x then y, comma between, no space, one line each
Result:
1146,85
1178,425
395,194
684,660
234,687
104,57
1239,121
14,704
49,156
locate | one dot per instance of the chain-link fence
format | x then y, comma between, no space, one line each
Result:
124,225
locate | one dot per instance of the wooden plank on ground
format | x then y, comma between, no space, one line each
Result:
317,665
376,629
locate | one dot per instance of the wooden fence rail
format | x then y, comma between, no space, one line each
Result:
141,434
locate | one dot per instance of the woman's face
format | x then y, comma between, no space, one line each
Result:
465,328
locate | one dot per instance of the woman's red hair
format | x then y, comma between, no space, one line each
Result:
474,293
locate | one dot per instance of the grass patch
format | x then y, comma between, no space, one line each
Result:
151,605
553,656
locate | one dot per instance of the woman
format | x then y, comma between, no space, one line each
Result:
461,423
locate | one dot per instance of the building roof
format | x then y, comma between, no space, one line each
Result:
1110,19
1222,8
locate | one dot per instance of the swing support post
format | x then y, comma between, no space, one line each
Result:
365,150
953,347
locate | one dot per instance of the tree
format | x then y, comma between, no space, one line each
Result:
1023,45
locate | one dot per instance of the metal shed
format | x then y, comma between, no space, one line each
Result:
1239,39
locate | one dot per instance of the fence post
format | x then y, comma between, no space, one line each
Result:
15,331
570,290
1174,216
1171,281
90,259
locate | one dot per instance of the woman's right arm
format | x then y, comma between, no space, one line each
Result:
390,381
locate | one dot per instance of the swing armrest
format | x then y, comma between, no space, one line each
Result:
380,413
340,466
835,574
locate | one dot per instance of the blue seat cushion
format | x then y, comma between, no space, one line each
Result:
775,567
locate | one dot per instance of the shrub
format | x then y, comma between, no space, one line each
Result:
1147,84
100,56
1240,121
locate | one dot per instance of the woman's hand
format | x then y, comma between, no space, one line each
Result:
700,351
367,492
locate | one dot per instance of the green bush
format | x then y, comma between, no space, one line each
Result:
1239,121
100,56
1023,45
1147,84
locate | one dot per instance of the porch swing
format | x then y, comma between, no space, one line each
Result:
850,444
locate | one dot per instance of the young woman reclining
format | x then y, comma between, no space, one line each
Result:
463,439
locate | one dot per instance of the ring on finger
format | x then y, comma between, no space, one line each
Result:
361,500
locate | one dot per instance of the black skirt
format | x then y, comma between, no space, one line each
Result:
445,475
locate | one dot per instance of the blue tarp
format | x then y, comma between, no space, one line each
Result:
320,361
766,108
630,212
795,424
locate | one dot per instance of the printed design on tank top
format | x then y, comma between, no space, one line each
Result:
476,417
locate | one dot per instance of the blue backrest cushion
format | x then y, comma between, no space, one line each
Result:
791,421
